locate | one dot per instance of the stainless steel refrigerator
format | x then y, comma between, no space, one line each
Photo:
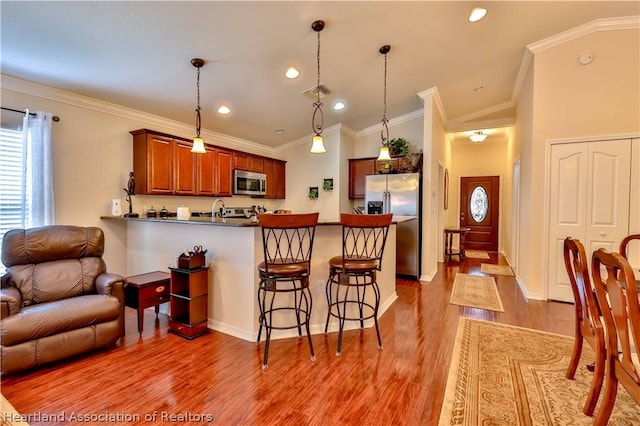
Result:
399,194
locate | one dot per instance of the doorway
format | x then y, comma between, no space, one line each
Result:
479,210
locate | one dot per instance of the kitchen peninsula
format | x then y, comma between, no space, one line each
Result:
234,249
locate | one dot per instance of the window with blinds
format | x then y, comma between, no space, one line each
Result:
15,199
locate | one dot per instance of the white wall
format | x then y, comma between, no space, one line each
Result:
305,170
568,100
437,151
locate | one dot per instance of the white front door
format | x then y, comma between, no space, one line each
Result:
589,200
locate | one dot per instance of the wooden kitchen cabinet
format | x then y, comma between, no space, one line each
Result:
184,169
206,165
214,172
224,173
358,169
276,178
153,162
361,167
244,161
164,165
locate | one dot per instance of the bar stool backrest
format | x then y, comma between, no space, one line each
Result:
617,293
287,239
364,236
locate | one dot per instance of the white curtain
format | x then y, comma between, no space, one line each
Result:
37,201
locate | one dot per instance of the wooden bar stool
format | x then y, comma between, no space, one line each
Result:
354,272
287,243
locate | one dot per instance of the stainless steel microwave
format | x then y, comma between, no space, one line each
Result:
249,183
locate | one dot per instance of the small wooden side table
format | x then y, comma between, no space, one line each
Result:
146,290
448,242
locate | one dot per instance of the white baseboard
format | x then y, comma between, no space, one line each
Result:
251,336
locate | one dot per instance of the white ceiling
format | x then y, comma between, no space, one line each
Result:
137,54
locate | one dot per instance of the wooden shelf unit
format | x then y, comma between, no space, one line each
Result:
189,292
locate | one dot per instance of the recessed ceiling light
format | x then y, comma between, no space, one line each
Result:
224,110
278,131
477,14
339,106
292,72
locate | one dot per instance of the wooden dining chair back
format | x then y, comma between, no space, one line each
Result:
287,242
624,244
617,293
588,323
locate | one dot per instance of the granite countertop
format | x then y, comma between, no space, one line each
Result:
238,222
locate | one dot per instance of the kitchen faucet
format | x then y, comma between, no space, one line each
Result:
213,209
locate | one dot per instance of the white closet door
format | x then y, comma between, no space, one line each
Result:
589,200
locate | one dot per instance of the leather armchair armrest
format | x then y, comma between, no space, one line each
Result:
10,301
113,285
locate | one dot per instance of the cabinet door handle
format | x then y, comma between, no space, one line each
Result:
160,289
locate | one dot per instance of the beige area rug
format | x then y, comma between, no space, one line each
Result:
476,254
9,415
488,268
476,291
505,375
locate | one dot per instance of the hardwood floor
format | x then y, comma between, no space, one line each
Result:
220,376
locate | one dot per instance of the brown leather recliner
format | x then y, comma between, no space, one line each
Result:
57,299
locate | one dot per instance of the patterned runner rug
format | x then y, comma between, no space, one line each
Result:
488,268
476,254
506,375
476,291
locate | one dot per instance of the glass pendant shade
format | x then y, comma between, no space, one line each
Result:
198,146
384,154
317,145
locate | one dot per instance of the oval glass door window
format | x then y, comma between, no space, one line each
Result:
479,204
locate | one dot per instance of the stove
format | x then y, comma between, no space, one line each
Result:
241,212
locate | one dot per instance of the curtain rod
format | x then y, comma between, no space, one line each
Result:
54,118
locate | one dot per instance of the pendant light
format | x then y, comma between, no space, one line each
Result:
198,142
384,131
317,145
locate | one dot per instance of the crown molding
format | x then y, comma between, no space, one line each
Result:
527,58
337,128
154,121
603,24
393,122
434,95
